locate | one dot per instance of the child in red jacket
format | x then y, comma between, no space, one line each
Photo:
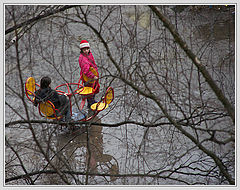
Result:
89,68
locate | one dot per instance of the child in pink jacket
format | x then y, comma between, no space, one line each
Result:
88,68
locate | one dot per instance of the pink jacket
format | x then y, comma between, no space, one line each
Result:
85,62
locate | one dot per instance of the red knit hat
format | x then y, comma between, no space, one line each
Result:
84,43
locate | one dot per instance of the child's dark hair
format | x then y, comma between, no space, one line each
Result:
45,82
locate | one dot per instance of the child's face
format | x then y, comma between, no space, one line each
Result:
86,50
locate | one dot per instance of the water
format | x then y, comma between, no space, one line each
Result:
144,144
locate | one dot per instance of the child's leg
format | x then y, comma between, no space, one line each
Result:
65,109
68,113
91,101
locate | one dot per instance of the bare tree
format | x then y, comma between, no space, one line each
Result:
172,120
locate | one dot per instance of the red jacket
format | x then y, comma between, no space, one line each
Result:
85,62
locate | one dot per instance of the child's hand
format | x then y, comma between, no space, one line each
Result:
95,77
